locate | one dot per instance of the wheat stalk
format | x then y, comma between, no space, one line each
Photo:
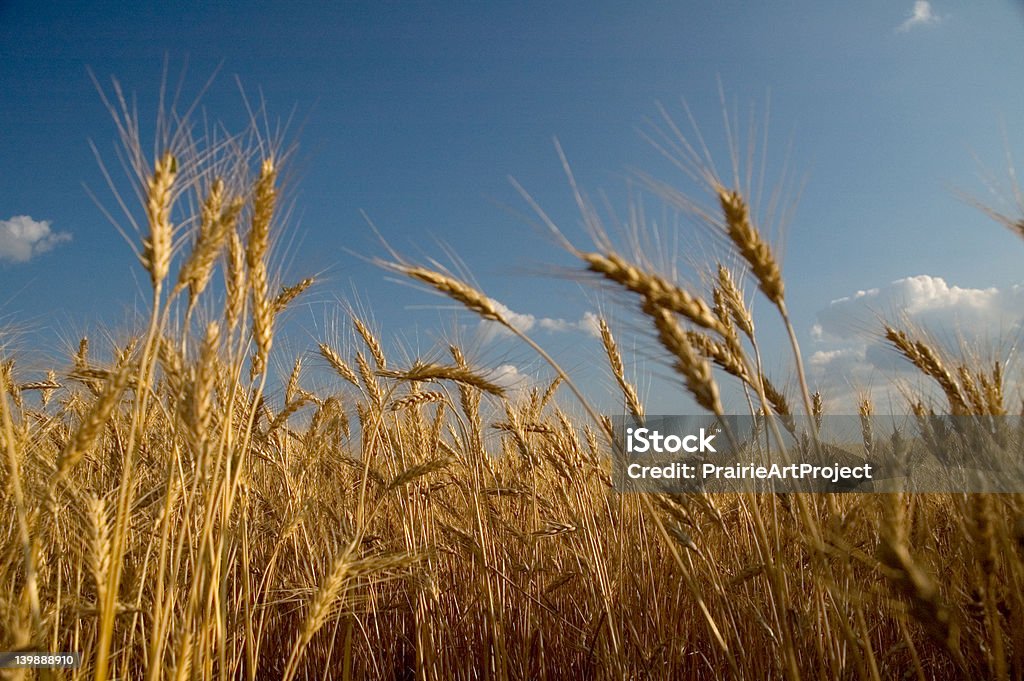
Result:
234,280
94,423
720,354
611,349
338,364
264,202
436,372
99,542
750,245
370,383
467,295
372,343
780,405
415,400
733,299
654,289
201,397
418,471
290,293
695,371
292,387
926,603
213,230
156,248
319,607
262,317
866,409
925,358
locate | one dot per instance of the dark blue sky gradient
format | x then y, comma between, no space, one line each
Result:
416,113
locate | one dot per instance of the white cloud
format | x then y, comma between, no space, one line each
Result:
590,324
22,238
850,353
522,322
921,15
925,301
824,358
526,322
549,324
509,376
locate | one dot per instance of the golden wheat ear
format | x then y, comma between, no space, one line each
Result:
436,372
470,297
156,248
289,293
733,301
90,430
611,350
235,283
262,317
751,245
338,364
695,370
371,341
218,216
263,205
655,289
926,359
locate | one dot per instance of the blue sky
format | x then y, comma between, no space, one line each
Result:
417,113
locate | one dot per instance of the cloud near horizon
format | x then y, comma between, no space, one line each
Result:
23,238
921,15
851,355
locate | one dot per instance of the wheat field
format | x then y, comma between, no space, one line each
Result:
172,516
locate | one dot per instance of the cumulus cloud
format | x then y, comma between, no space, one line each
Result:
925,301
556,325
526,322
590,324
521,321
22,238
850,353
921,15
509,377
